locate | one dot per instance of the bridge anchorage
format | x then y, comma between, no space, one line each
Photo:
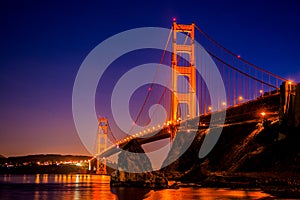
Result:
246,85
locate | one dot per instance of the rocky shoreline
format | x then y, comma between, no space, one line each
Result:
148,180
277,186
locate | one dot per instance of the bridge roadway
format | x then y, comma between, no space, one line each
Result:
245,112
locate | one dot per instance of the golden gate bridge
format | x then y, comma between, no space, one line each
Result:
244,83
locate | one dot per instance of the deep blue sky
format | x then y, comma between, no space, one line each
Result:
43,43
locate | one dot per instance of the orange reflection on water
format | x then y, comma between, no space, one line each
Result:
45,178
205,193
83,186
37,178
101,188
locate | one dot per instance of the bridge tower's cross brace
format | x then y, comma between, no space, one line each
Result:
189,71
101,144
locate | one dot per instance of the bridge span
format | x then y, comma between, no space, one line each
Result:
265,107
252,93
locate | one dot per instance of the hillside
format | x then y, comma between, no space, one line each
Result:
46,158
249,154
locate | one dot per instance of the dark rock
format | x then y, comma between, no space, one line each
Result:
133,159
135,170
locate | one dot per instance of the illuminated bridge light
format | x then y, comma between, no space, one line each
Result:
209,108
240,98
263,114
223,103
261,91
153,128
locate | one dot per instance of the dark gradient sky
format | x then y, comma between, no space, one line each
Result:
43,43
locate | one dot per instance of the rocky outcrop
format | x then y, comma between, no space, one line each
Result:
133,159
135,169
147,179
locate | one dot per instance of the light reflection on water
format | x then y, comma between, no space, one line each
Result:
73,187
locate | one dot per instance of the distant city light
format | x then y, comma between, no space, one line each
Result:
263,114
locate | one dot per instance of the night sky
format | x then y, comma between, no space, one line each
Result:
43,44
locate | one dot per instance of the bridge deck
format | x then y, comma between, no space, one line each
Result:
237,114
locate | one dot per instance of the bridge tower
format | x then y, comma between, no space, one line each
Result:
101,144
189,72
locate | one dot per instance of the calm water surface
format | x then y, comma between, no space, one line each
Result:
67,187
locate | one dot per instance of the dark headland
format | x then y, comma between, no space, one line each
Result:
252,152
